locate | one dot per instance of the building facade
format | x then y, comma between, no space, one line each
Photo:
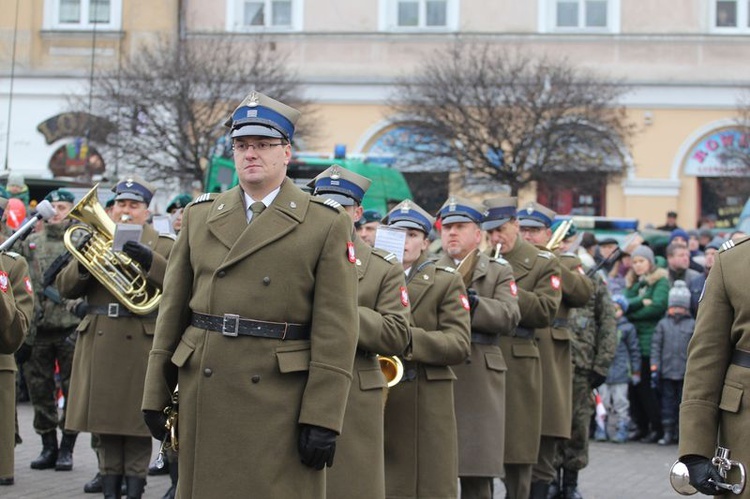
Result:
684,62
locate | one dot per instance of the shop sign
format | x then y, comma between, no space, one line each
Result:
725,153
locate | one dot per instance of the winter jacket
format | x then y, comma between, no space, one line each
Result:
627,354
655,287
669,345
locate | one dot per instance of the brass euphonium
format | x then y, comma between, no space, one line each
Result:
559,235
392,368
679,478
120,274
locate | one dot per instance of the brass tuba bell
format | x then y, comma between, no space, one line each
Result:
392,368
679,477
120,274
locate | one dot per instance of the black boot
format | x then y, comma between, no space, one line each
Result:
94,486
65,456
135,486
112,486
172,492
570,484
48,457
554,491
538,490
651,438
154,470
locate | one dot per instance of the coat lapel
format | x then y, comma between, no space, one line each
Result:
363,253
227,219
420,281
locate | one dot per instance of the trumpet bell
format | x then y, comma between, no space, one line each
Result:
392,368
679,479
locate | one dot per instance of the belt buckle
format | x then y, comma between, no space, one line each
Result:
113,310
231,325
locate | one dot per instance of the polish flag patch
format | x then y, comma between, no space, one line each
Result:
513,288
555,281
465,302
28,286
404,297
350,252
4,282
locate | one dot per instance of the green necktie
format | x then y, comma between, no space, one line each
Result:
257,208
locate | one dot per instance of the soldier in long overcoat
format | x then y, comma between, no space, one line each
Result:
537,275
421,448
554,346
258,324
383,330
479,391
714,409
16,311
111,354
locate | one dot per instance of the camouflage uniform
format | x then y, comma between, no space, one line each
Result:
52,326
594,329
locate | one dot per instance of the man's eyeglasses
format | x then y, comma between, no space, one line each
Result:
258,146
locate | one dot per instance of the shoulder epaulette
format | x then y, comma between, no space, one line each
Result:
450,270
326,202
569,255
385,255
169,235
206,196
545,254
500,260
730,243
13,254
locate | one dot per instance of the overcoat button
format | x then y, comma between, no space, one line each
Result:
255,378
411,374
207,372
221,273
266,280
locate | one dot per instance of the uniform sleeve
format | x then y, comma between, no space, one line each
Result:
606,328
334,331
70,283
709,355
173,319
499,312
451,343
385,329
16,306
539,306
576,287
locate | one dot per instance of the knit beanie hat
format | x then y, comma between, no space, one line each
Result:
622,302
644,252
679,295
678,233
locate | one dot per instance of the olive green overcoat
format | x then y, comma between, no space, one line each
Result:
479,391
109,363
383,330
715,408
243,398
536,273
421,448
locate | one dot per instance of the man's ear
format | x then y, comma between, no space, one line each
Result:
358,212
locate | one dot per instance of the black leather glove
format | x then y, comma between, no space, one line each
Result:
140,253
701,471
473,300
81,309
595,379
317,446
157,423
23,353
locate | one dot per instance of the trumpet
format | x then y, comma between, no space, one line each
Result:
559,235
392,368
170,439
679,476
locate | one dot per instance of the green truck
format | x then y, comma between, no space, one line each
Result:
388,186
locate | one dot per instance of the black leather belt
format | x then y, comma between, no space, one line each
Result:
115,310
560,323
741,358
485,339
523,332
234,325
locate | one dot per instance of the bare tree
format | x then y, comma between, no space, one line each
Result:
169,101
505,116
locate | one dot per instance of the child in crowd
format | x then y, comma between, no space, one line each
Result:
669,347
625,368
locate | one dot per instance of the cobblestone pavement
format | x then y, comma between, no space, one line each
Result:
629,471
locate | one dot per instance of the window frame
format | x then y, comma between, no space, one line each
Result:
547,19
52,17
388,17
743,12
234,13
